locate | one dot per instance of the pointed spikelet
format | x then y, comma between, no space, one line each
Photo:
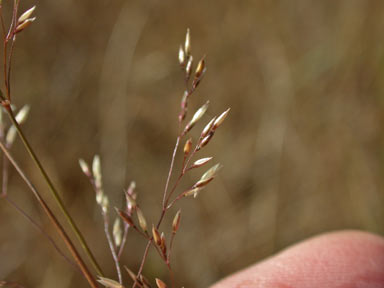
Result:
109,283
201,162
156,236
142,221
160,284
220,119
84,167
187,146
187,44
176,222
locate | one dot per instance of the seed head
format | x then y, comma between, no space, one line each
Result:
196,117
203,182
105,203
160,284
201,162
212,171
24,24
99,197
117,233
187,147
156,236
176,222
193,191
163,245
131,188
84,167
200,69
220,119
109,282
96,170
11,136
126,218
188,67
184,106
142,221
131,202
26,15
22,114
181,56
208,127
206,140
187,44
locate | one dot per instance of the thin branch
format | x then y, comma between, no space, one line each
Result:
123,241
171,169
116,258
112,246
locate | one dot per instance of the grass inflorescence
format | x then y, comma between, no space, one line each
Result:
132,216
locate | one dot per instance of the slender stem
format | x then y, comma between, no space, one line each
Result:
169,260
54,192
170,246
171,170
84,269
171,275
142,262
165,198
107,233
5,66
112,246
123,241
10,65
5,176
2,20
174,187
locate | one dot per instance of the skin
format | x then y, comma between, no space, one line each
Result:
348,259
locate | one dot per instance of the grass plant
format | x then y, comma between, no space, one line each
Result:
132,217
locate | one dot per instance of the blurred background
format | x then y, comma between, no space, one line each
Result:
302,149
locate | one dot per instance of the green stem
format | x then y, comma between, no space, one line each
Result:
54,192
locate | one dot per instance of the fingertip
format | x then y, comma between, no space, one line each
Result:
343,259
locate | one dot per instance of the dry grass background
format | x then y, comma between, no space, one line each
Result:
302,149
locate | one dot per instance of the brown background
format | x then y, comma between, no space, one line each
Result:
302,148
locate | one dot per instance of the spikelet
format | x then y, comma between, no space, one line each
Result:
20,117
106,282
187,147
84,167
117,232
126,218
187,43
176,222
196,117
26,15
181,56
201,162
160,284
220,119
142,221
156,236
